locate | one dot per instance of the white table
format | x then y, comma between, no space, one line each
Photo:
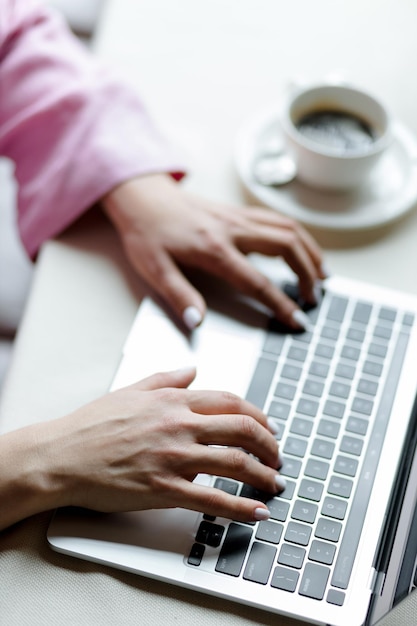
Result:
203,68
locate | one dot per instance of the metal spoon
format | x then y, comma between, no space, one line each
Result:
275,169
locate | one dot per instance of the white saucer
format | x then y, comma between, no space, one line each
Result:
390,193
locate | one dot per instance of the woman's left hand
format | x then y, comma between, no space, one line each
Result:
165,229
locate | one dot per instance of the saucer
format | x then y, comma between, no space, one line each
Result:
390,192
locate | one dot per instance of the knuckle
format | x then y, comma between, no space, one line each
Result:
238,461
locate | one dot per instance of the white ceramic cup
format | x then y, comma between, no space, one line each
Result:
324,166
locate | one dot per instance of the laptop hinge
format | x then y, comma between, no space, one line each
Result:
376,581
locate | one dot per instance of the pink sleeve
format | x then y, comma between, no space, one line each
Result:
73,130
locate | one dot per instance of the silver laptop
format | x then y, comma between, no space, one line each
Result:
340,547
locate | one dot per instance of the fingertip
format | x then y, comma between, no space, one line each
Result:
260,514
192,317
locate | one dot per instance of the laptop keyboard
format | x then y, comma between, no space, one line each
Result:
330,391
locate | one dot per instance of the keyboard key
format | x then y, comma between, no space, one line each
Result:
196,554
323,448
377,349
229,486
295,446
373,368
261,382
298,533
304,511
328,529
233,550
293,556
356,334
316,469
357,425
313,388
301,427
345,465
324,351
307,407
314,580
260,562
382,332
335,597
362,312
351,445
339,486
280,410
269,531
327,428
332,507
285,579
210,534
292,372
360,405
387,314
337,309
311,490
319,369
345,371
278,509
340,390
288,492
330,332
285,391
351,353
334,409
290,467
322,552
368,387
274,343
297,354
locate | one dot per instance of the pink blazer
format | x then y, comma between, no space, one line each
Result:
73,129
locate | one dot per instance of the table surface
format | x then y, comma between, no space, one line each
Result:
203,69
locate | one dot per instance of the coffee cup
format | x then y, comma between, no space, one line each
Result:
336,133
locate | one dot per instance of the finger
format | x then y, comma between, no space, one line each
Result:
180,378
273,220
235,432
165,277
210,402
245,277
217,503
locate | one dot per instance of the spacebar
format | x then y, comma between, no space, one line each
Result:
351,536
261,382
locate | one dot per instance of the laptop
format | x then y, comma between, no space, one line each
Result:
340,547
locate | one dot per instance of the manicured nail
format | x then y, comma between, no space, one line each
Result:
325,271
280,459
280,482
191,317
301,318
272,426
261,515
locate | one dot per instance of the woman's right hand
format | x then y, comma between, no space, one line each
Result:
141,448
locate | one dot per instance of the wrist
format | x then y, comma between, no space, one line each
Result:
28,482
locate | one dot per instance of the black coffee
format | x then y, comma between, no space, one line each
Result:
340,131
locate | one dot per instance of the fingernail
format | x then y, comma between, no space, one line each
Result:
280,459
261,515
325,271
280,482
301,318
272,426
191,317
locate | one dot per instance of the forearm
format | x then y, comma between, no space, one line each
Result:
73,129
